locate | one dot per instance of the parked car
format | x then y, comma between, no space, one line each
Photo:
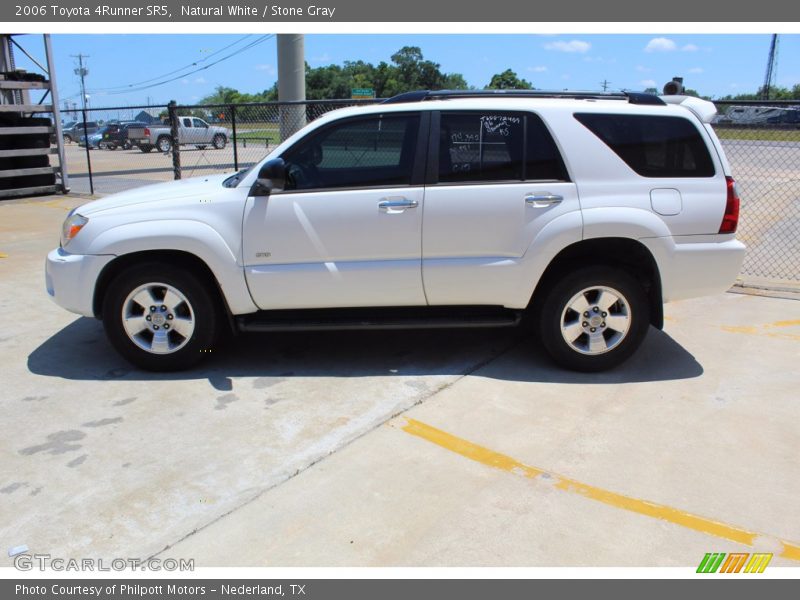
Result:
74,133
583,213
94,138
116,135
191,132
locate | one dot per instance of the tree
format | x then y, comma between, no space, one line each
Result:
408,71
508,80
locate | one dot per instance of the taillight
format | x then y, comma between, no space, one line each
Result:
147,131
731,217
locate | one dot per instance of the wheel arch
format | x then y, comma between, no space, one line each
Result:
179,258
627,253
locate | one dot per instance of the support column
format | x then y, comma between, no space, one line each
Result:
291,82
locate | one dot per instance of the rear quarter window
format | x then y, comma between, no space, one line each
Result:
653,146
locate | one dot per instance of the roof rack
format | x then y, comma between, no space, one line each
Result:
422,95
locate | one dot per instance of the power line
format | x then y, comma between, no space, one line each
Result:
189,66
208,66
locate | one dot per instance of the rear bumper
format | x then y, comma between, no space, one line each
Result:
70,279
693,266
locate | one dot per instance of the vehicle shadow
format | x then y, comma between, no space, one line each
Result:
80,351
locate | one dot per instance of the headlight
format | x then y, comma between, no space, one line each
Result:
72,225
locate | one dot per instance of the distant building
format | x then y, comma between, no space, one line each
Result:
148,116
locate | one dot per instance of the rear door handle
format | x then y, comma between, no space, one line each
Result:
543,199
396,205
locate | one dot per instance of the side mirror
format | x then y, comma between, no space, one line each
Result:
271,177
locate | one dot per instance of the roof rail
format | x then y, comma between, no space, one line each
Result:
422,95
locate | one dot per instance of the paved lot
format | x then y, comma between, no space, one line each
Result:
402,448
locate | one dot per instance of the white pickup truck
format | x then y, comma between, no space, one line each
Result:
192,131
582,212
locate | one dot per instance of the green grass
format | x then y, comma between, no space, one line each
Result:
256,131
770,135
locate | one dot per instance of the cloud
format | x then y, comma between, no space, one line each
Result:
648,83
660,44
643,69
598,59
696,70
322,58
573,46
538,69
689,48
200,80
566,76
269,69
185,81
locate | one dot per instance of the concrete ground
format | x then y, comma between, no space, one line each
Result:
401,448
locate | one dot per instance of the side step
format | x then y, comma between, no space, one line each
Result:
400,317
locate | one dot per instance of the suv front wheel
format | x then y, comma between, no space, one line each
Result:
594,318
159,317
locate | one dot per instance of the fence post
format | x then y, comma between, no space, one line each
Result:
88,157
176,145
233,126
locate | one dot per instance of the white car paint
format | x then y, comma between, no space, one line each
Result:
462,244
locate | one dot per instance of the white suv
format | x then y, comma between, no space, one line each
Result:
585,212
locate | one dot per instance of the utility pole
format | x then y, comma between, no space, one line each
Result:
605,83
82,73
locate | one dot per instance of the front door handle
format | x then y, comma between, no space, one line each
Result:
396,205
543,199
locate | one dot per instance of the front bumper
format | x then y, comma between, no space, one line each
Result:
70,279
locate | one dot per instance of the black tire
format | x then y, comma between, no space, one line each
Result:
164,144
67,139
200,306
219,141
146,148
632,307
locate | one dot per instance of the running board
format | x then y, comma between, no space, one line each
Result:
403,317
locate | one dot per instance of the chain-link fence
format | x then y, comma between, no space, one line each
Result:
762,143
133,146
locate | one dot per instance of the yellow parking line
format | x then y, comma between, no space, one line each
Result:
766,329
644,507
3,255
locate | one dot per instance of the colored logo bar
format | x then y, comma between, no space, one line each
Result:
735,562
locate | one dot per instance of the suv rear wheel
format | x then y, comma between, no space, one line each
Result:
594,318
219,141
160,317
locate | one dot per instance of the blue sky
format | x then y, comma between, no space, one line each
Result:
716,65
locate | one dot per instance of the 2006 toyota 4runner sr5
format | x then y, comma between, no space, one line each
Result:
584,212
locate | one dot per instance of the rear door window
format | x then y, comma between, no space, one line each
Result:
496,146
653,146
